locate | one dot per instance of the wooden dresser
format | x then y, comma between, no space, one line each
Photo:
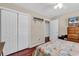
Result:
73,34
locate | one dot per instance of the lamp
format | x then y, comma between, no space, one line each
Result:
59,5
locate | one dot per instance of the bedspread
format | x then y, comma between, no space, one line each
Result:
58,48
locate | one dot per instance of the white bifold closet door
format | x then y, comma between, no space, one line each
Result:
47,28
9,31
23,31
54,29
37,32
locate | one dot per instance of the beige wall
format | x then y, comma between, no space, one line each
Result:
63,22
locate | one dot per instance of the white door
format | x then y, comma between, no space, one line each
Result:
47,28
37,32
9,31
23,31
54,29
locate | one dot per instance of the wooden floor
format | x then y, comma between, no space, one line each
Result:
25,52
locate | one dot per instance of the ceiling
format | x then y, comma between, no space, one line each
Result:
47,9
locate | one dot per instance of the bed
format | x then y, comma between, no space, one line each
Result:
58,48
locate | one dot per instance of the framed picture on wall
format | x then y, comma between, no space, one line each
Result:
73,19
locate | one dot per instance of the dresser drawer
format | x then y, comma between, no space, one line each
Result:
71,32
74,40
71,28
73,36
77,30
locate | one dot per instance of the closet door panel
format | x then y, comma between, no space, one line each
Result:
37,32
23,31
9,31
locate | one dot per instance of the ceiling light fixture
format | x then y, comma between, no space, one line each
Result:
59,5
